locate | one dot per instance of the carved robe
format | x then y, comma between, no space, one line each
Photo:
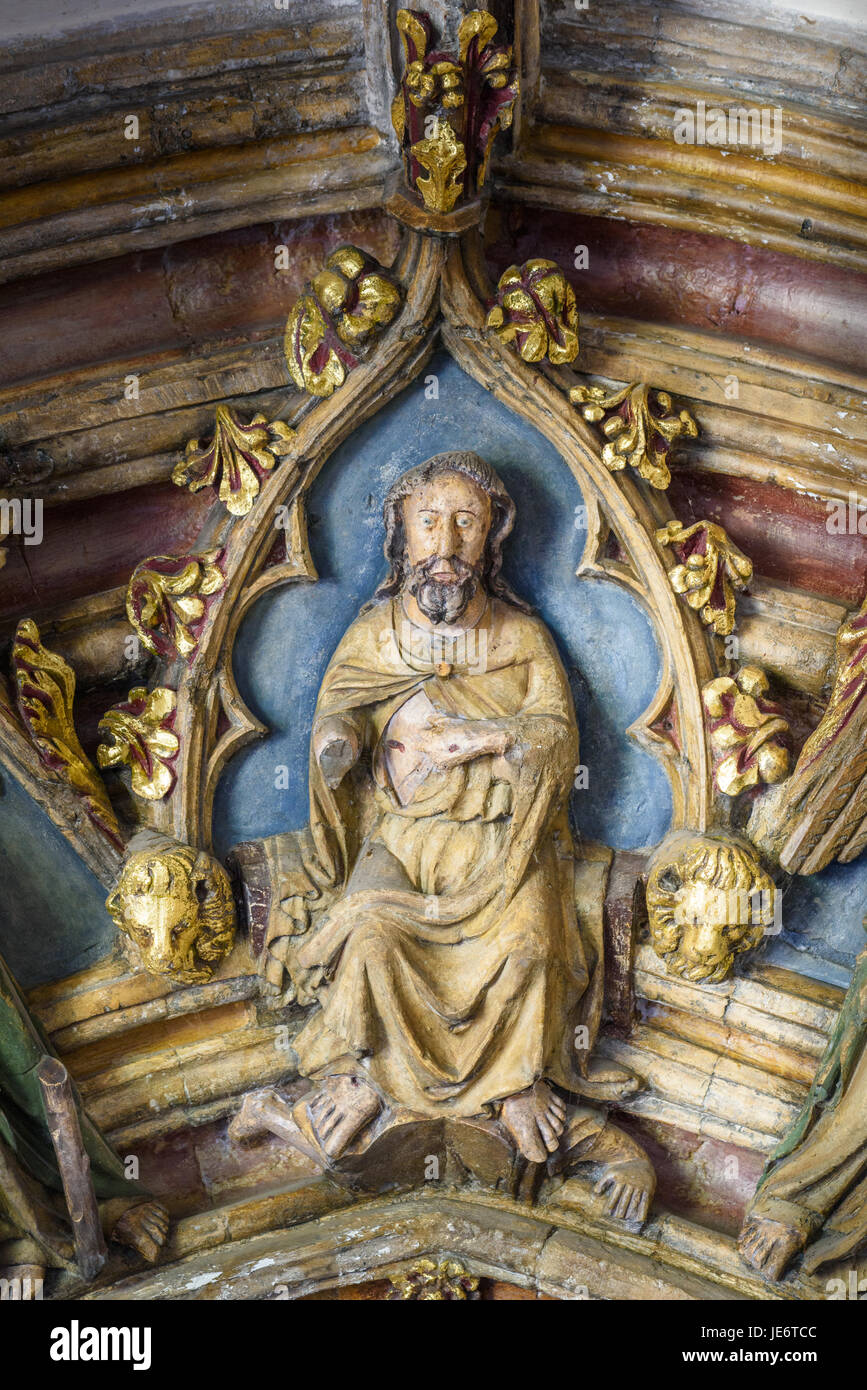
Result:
816,1180
440,936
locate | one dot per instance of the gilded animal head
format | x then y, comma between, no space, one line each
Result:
708,900
175,903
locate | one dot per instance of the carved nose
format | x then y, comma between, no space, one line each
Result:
706,942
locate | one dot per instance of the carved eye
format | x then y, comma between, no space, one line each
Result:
201,890
670,880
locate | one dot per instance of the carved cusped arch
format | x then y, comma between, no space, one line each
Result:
446,298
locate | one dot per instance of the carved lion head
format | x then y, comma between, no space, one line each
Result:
176,904
708,900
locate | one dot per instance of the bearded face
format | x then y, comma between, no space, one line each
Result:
443,586
446,524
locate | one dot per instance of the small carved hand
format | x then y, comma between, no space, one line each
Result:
631,1186
143,1228
449,742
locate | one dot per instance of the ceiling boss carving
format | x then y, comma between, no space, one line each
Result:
562,753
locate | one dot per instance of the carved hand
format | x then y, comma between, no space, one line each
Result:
449,742
630,1186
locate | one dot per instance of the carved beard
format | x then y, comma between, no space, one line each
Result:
440,602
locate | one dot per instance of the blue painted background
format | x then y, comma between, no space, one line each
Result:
52,909
821,922
605,638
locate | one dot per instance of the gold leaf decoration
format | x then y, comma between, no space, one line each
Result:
349,302
140,735
235,460
536,311
848,690
443,156
749,737
166,600
45,692
476,90
428,1281
641,426
175,904
711,568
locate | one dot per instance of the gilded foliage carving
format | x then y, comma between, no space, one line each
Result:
640,426
536,311
442,157
448,110
749,737
429,1281
167,598
235,459
140,735
711,568
350,301
45,685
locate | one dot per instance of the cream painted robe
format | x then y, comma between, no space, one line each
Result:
440,938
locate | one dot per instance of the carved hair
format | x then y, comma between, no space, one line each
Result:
724,865
480,472
161,867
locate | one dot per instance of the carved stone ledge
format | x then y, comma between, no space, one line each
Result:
410,213
566,1250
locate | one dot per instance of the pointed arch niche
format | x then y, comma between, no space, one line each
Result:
299,565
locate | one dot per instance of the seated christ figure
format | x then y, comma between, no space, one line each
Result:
429,907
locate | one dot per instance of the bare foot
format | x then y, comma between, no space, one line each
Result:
630,1185
143,1228
342,1107
769,1246
535,1118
